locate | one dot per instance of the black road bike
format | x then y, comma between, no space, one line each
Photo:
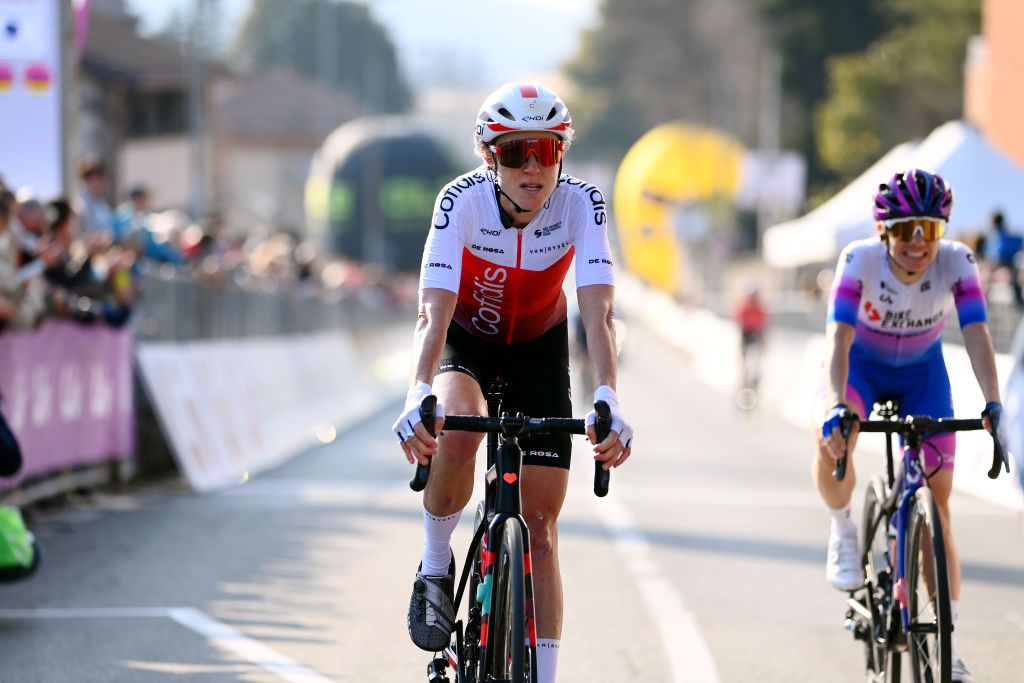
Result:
497,641
904,605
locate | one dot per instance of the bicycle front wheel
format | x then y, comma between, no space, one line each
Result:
883,660
930,628
506,650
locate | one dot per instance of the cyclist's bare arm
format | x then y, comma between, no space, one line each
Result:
595,303
437,306
978,342
838,341
596,309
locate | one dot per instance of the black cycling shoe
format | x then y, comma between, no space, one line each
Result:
432,610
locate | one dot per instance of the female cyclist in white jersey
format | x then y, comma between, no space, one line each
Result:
491,305
887,309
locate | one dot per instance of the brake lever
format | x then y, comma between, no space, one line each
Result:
603,427
998,453
846,421
427,414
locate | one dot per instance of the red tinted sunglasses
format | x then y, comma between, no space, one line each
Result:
514,153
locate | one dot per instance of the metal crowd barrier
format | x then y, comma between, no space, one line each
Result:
180,306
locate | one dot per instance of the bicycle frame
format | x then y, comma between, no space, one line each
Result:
502,505
902,488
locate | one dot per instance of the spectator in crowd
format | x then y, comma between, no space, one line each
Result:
8,267
131,216
73,271
8,252
22,290
29,226
97,216
1002,249
133,227
78,288
8,199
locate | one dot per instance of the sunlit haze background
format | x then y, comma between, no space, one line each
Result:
464,43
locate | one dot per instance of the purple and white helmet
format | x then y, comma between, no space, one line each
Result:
913,193
523,106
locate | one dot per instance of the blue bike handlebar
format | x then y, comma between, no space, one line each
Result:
922,426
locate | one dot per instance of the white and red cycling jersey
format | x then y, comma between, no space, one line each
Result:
509,280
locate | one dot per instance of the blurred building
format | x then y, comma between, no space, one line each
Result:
259,132
134,106
265,130
993,100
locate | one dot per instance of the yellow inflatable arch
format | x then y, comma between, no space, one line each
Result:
670,166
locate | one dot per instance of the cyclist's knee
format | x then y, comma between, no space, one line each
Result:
543,534
459,448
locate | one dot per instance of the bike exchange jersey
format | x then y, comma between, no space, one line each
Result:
899,324
509,280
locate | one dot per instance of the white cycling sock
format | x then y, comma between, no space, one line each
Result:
547,660
437,549
842,520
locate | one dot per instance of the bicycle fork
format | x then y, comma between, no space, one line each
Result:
485,594
913,479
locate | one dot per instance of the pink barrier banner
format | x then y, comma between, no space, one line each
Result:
67,394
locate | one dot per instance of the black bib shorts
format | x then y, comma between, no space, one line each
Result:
536,374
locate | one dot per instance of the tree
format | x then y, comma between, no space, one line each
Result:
335,43
649,62
903,86
807,33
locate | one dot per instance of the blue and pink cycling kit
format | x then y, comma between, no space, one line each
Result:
897,347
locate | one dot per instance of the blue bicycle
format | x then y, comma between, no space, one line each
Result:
904,605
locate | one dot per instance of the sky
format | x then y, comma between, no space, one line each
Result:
469,43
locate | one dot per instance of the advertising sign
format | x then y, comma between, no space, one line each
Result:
30,96
67,394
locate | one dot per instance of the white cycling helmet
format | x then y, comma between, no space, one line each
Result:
522,106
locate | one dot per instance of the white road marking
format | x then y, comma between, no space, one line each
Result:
228,638
86,613
688,653
1015,619
216,632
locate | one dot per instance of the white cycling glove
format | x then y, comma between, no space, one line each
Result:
607,394
405,425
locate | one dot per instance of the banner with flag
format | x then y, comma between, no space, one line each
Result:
30,96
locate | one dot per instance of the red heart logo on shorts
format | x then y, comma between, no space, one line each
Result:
510,478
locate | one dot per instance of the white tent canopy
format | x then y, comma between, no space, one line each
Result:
983,180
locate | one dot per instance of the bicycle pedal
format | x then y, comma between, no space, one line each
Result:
436,671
